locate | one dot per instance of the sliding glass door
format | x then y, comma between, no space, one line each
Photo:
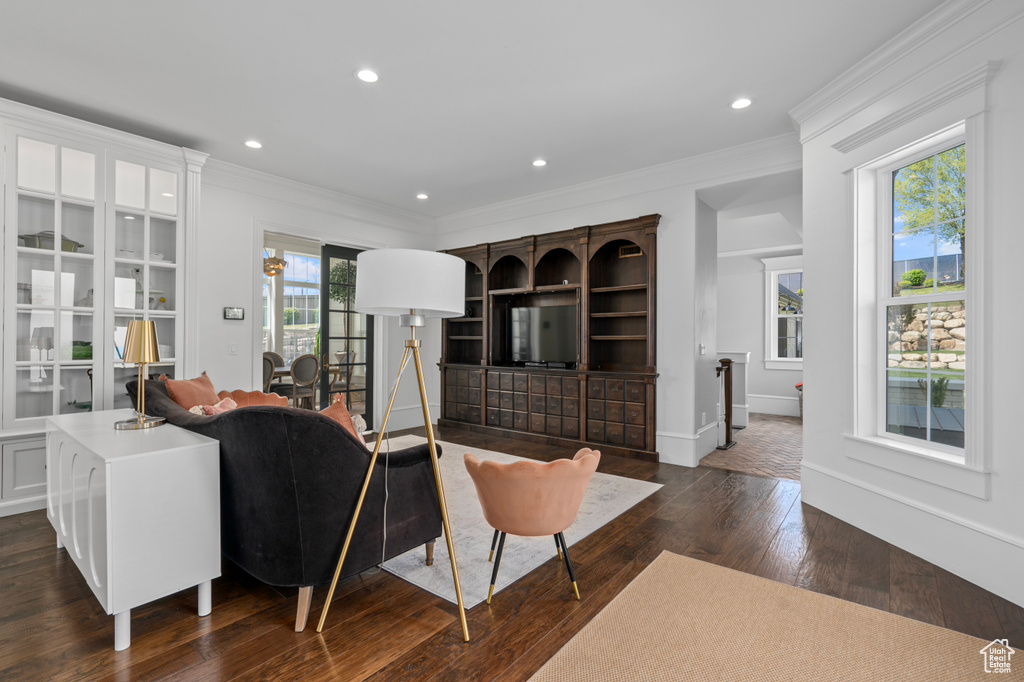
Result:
346,354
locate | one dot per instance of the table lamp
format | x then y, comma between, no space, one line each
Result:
141,348
411,285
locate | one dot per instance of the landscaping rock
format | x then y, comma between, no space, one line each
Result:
959,333
948,357
911,337
939,334
912,356
954,322
913,364
958,365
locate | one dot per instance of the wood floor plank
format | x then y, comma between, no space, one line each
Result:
913,590
966,607
867,571
782,560
1011,620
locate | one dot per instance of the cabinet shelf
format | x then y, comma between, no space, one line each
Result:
620,337
474,298
465,319
504,292
558,287
642,313
465,338
621,287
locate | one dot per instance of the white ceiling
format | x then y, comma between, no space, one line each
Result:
470,92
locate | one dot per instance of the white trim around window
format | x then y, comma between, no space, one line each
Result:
773,267
965,470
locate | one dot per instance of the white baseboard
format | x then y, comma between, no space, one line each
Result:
687,449
978,554
20,506
782,405
409,417
740,415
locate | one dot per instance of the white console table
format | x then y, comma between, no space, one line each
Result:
138,511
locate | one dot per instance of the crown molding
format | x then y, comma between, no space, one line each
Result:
761,251
60,125
227,176
944,17
762,157
969,82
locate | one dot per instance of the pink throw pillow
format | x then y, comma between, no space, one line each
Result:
221,407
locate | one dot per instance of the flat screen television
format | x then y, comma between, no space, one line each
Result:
545,334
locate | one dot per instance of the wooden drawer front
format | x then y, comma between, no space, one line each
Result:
595,410
554,404
451,377
635,413
613,433
614,411
595,389
493,399
493,381
635,391
537,424
507,381
571,407
614,389
538,404
520,402
463,377
635,437
521,382
473,414
554,426
538,385
473,396
571,427
451,410
554,385
595,431
462,394
462,412
570,387
473,379
506,419
506,401
493,416
450,392
521,421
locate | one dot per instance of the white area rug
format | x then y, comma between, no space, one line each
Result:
607,496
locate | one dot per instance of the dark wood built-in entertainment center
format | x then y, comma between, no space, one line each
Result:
495,371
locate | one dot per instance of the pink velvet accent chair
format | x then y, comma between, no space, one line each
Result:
531,499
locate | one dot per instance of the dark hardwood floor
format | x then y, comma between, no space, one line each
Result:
382,628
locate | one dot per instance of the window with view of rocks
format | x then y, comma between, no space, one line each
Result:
924,300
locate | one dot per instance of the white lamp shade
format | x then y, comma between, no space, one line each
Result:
395,281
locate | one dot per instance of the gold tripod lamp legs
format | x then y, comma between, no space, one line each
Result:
413,345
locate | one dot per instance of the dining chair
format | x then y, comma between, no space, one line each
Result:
531,499
268,373
305,370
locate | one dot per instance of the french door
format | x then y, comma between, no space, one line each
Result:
346,337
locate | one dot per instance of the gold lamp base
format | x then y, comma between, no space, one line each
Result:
141,422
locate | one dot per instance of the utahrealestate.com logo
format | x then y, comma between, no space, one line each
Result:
997,656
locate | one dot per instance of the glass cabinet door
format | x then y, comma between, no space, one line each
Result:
146,252
54,231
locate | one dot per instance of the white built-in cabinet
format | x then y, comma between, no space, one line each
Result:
94,235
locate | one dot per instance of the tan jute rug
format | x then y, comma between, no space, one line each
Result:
683,619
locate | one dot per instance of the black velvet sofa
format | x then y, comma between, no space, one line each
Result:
289,482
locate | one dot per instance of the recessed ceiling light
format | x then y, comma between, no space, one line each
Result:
167,194
367,75
253,144
540,162
421,195
741,103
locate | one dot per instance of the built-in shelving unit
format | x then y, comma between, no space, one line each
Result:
604,274
93,236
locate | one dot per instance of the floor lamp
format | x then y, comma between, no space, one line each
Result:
412,285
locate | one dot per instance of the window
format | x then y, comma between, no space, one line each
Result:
784,319
301,309
924,297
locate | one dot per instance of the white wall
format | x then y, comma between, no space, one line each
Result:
237,204
915,86
741,320
705,313
669,190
